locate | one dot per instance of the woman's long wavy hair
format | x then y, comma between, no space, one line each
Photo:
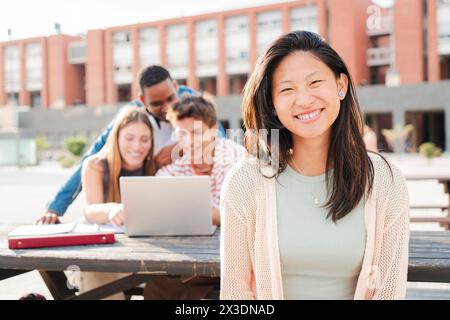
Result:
352,170
111,151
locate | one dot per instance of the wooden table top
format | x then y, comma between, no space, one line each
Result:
174,255
429,259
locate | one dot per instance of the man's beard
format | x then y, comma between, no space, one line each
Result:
159,117
163,117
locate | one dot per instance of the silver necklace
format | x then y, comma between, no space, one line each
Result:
316,198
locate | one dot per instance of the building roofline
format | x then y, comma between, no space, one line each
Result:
209,15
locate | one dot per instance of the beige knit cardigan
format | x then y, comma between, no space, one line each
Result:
250,257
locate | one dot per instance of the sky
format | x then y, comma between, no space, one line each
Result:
31,18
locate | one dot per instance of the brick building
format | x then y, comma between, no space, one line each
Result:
407,45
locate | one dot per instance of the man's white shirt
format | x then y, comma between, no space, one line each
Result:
163,134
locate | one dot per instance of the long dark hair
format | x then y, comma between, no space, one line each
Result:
353,171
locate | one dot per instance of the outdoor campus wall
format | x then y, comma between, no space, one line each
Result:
89,121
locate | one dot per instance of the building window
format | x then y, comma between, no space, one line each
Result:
237,83
122,58
237,44
378,75
149,48
269,28
35,99
13,97
206,48
34,67
122,37
12,69
378,122
177,50
124,93
305,18
428,127
445,68
443,18
443,22
208,85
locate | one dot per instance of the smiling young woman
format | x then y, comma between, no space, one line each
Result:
128,152
323,218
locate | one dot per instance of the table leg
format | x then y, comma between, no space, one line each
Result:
56,282
176,288
121,285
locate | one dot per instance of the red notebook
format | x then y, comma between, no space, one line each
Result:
29,237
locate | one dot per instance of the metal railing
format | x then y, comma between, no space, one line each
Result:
380,26
378,56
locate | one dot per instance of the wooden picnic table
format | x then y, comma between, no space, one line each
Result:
148,258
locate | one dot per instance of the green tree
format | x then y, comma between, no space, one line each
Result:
41,143
76,145
429,151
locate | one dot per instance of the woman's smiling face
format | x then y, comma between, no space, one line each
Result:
135,142
305,95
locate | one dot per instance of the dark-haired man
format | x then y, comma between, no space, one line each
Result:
158,92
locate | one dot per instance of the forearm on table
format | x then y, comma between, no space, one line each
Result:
98,213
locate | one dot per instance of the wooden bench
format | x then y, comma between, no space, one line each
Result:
427,293
443,221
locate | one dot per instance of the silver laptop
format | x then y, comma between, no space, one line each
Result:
167,206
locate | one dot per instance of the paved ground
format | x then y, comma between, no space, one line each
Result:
24,193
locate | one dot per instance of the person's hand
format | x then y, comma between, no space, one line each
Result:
47,218
116,216
164,157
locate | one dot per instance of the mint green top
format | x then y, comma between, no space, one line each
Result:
319,259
